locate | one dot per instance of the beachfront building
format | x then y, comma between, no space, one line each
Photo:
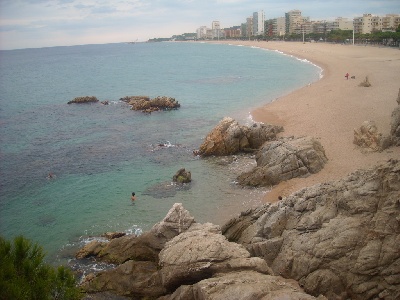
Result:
369,23
275,27
201,33
233,32
258,22
293,19
249,25
216,30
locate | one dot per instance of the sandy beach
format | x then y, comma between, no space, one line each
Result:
330,109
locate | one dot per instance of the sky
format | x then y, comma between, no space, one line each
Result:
46,23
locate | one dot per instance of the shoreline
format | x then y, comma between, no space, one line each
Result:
332,107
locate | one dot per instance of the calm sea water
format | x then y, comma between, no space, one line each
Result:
100,154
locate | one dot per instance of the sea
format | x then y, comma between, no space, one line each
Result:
100,154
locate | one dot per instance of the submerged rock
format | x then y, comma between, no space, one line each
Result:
285,159
182,176
85,99
147,105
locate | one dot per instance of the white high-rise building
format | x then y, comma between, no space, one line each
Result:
258,22
216,29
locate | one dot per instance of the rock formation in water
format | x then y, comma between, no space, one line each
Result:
285,159
182,176
228,137
85,99
147,105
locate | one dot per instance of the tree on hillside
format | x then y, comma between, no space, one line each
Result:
23,275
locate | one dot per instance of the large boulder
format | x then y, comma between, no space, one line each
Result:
201,252
133,279
368,137
285,159
144,247
340,239
228,137
182,176
241,285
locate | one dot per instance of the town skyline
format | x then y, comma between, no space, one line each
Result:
45,23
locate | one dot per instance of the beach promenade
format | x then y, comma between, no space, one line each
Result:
333,107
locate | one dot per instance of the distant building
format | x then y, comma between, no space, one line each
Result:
275,27
293,20
201,32
249,22
369,23
216,30
233,32
258,22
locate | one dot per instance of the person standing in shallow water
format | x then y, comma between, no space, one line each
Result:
133,197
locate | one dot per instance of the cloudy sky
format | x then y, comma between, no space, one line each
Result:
43,23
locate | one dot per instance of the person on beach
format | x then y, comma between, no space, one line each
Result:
347,76
133,197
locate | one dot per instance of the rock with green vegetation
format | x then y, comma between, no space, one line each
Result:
182,176
85,99
24,275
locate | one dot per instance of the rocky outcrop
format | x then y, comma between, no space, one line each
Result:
395,124
241,285
339,239
285,159
85,99
147,105
202,252
228,137
368,137
198,263
182,176
144,247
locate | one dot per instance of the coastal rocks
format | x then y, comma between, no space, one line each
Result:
395,124
133,279
182,176
241,285
144,247
285,159
85,99
201,252
147,105
365,83
367,136
339,239
228,137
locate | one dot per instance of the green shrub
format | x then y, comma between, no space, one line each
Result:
24,275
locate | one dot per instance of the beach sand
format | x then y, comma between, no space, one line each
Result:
331,108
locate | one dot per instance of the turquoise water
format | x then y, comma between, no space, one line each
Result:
100,154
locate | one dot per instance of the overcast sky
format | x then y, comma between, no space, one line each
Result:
42,23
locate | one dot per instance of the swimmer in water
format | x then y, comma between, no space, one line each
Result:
133,197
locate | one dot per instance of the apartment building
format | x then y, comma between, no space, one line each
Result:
216,29
258,22
369,23
293,19
275,27
249,26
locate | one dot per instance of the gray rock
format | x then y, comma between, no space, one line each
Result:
395,126
134,279
239,286
201,252
285,159
339,239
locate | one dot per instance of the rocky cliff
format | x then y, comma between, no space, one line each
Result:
338,240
